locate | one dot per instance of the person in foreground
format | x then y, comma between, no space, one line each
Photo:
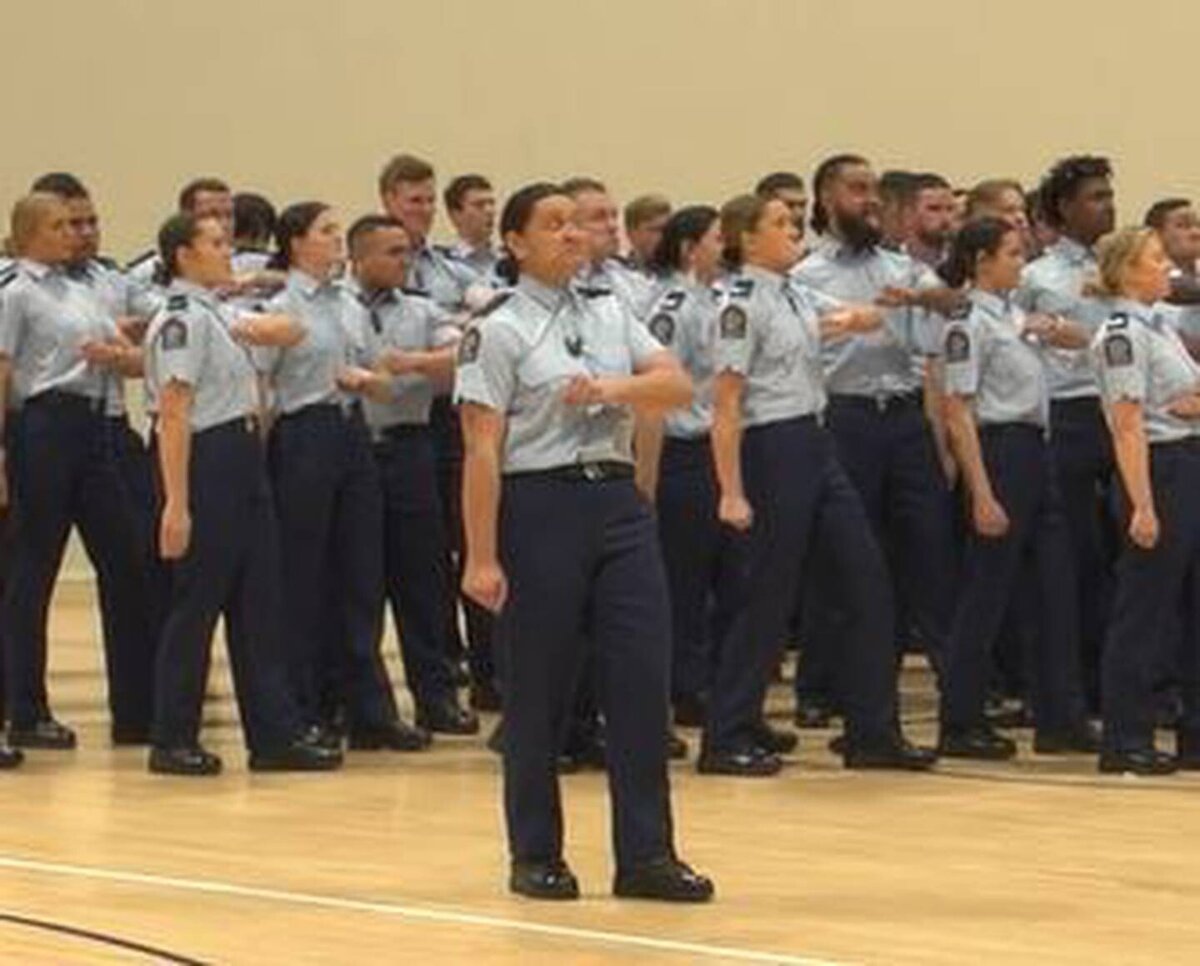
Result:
561,547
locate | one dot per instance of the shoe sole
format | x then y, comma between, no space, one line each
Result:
290,766
739,772
690,898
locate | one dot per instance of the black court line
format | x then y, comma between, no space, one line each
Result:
99,937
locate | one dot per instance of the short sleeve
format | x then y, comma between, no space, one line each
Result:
736,339
486,372
11,321
643,346
179,347
1121,362
441,327
961,350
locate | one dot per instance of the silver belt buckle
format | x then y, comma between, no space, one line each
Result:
592,472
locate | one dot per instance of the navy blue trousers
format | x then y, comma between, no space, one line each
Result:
583,568
416,559
888,455
1083,457
806,514
231,569
1031,562
1152,588
330,508
701,559
65,475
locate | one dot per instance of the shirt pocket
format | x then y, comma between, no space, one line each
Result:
544,368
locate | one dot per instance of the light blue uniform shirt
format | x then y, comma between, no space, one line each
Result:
444,279
520,356
1139,357
189,341
335,337
683,318
45,316
409,322
634,290
1054,284
889,361
990,358
768,331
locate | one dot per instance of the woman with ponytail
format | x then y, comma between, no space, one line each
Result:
997,416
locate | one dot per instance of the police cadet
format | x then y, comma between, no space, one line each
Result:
644,218
562,548
1178,226
408,190
253,232
205,197
877,411
1077,199
471,205
54,338
131,308
696,553
417,341
326,490
997,415
1151,392
597,216
781,484
218,527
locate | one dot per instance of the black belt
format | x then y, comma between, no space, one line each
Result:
350,410
598,471
59,399
404,430
1006,429
882,403
1088,403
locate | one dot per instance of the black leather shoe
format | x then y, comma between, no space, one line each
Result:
125,736
982,744
744,762
543,880
1148,761
667,880
775,740
48,734
484,696
1083,739
184,761
323,736
300,755
691,710
677,748
590,754
445,717
898,755
812,716
397,736
10,757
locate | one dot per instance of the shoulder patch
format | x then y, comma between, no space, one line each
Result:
177,302
960,311
417,292
468,348
733,322
958,346
174,334
1118,320
1118,350
662,327
493,303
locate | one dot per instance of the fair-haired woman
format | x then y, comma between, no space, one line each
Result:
781,485
1151,391
997,411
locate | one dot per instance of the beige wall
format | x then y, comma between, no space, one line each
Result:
692,97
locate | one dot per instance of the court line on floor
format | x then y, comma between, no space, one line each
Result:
105,939
452,916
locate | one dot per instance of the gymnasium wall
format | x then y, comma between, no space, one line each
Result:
692,97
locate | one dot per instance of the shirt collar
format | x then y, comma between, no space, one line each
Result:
548,297
1137,310
371,298
1074,252
38,270
181,286
998,304
305,284
765,276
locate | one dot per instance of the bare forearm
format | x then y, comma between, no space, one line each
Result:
1133,460
647,444
964,440
727,436
174,452
481,502
660,388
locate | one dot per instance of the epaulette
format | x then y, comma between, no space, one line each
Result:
960,312
673,299
7,276
177,302
494,303
446,252
741,287
413,290
141,259
593,291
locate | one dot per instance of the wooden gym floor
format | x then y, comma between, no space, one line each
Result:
398,858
